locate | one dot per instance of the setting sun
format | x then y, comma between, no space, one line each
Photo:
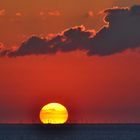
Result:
53,113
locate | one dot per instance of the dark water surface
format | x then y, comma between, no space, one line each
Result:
70,132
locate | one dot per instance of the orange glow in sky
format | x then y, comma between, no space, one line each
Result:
95,89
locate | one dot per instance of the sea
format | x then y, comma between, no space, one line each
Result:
70,132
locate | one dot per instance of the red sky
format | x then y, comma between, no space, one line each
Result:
94,89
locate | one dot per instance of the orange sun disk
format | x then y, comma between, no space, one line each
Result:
53,113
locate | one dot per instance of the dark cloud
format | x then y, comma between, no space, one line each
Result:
75,38
121,32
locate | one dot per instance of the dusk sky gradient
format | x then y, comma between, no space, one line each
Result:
94,70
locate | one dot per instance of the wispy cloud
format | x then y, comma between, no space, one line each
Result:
90,14
54,13
1,46
41,13
2,12
18,14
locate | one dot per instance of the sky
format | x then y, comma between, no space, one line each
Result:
83,54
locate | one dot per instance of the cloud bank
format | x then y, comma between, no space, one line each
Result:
120,32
